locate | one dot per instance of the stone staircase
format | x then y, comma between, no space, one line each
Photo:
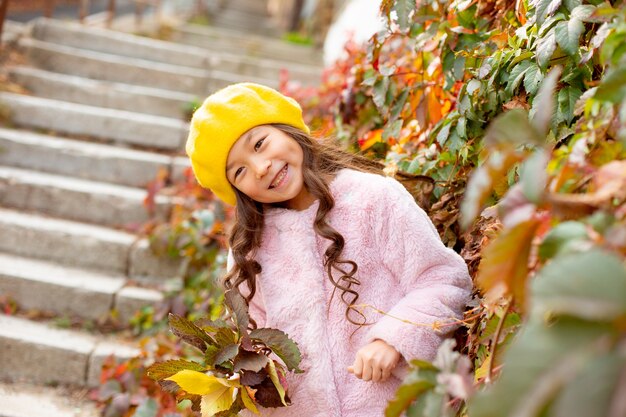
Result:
102,113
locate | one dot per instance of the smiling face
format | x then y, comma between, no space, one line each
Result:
266,164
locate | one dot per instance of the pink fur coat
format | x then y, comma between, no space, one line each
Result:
404,270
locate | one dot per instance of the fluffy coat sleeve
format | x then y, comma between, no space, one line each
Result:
432,278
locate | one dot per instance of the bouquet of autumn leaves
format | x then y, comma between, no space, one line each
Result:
236,371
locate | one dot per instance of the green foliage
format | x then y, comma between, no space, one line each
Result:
569,357
190,107
298,38
428,390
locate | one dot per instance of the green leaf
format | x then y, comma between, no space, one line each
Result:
459,67
613,48
569,285
398,105
539,362
613,87
210,354
562,237
567,99
147,408
571,4
517,75
512,320
568,35
432,404
392,130
544,104
545,8
380,93
473,85
532,78
369,77
285,348
533,176
583,12
403,8
549,23
411,389
545,48
511,129
189,332
162,370
443,134
461,126
225,336
593,391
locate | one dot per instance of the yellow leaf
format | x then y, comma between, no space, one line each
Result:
274,377
198,383
247,401
482,371
218,400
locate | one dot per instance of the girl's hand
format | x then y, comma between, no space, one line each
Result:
375,361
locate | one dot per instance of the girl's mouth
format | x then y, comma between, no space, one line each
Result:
280,178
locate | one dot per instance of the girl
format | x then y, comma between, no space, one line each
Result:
317,233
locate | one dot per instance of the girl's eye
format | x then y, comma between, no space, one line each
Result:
238,172
258,144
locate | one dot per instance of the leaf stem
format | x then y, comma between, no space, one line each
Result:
494,343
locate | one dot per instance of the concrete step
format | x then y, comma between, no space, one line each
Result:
107,124
245,22
102,93
82,245
72,243
77,199
142,72
50,287
29,400
80,159
110,67
251,6
117,43
39,353
225,40
12,31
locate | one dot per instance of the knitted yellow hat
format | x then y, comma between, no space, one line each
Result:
223,118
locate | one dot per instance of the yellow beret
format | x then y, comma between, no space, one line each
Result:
223,118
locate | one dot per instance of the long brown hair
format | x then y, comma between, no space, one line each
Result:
321,161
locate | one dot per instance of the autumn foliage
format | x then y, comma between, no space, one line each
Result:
517,109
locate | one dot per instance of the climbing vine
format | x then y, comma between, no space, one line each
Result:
517,110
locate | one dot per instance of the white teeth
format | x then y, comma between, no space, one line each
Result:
280,177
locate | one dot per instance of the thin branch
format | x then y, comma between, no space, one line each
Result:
494,343
436,325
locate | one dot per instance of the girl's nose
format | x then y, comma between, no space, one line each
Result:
261,168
